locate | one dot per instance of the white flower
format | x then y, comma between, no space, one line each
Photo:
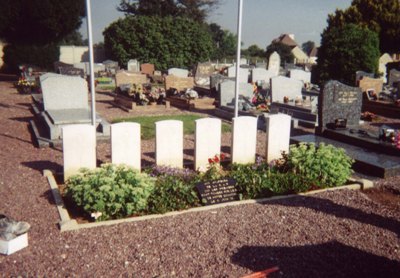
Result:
96,214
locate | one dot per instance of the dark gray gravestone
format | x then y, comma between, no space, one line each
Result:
72,71
218,191
394,76
339,101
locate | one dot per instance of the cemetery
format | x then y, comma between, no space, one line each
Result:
221,186
208,169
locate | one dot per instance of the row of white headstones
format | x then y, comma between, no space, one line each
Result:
79,142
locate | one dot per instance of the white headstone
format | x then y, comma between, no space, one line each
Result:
79,148
261,74
301,75
243,74
383,61
278,135
133,65
178,72
243,61
244,140
64,92
227,92
274,63
47,75
125,144
207,141
282,86
169,143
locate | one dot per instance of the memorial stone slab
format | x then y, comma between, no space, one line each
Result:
79,148
47,75
383,61
227,92
367,83
178,72
203,73
124,77
125,144
178,83
243,61
301,75
282,86
169,143
64,92
147,68
339,101
133,65
243,74
278,135
216,79
244,139
207,141
261,74
274,63
72,71
394,76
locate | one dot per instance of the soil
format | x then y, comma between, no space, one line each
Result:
332,234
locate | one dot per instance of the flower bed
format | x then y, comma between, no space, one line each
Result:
113,192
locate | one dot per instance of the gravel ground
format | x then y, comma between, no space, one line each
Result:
332,234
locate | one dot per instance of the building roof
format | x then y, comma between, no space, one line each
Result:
313,52
286,39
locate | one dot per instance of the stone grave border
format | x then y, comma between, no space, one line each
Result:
68,224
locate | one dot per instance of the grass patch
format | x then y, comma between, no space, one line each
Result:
147,123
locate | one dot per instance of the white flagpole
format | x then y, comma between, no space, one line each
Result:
239,35
91,61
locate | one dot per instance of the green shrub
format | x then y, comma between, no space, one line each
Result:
113,191
259,180
325,165
174,189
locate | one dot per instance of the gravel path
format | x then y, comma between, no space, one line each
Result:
331,234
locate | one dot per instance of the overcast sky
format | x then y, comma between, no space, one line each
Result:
263,20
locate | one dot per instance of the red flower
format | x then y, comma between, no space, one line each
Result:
210,161
216,159
222,156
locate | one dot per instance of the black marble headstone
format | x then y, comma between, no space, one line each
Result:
339,101
218,191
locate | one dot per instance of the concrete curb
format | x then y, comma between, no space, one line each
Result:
68,224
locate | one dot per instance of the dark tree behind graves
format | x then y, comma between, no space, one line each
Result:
380,16
224,42
308,46
196,10
163,41
41,24
284,51
345,50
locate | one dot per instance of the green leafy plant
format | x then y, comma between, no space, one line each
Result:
263,180
174,189
325,165
110,191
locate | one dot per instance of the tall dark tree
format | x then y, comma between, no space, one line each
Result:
39,21
345,50
224,42
194,9
308,46
380,16
32,29
164,41
284,51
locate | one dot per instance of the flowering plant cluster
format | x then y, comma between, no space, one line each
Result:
22,82
142,93
259,100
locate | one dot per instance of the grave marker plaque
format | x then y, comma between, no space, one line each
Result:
218,191
339,101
